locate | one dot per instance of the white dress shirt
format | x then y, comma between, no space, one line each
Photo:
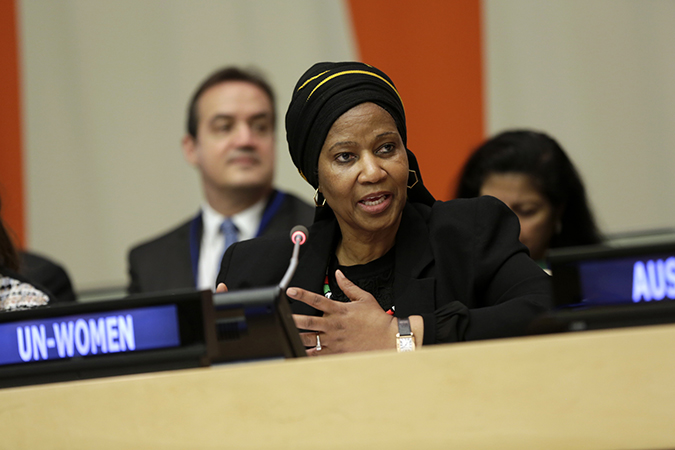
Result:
213,240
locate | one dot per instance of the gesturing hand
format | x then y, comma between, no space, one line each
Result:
345,327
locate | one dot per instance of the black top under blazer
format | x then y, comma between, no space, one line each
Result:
459,264
165,263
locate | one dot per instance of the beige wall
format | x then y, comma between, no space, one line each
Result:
600,77
105,93
106,85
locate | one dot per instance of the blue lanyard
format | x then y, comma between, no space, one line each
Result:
196,225
270,211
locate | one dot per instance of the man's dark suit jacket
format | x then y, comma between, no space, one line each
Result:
165,262
458,264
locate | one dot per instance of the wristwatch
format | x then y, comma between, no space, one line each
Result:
405,342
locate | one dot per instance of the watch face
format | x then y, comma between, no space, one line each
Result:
406,344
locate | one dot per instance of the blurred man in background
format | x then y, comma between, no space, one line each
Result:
230,140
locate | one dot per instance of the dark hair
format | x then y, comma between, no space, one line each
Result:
222,76
541,157
8,256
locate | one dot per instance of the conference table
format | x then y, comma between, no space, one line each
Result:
607,389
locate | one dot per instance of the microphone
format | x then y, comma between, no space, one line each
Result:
299,233
298,237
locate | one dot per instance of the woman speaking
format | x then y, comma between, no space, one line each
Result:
386,266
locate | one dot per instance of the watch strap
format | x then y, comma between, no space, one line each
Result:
404,327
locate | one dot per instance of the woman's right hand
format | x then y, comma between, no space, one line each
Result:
345,327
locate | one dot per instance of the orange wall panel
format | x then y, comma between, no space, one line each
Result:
11,167
432,50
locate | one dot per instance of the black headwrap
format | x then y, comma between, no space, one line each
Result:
325,92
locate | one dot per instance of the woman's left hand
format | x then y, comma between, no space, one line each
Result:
345,327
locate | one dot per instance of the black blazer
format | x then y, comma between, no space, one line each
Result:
44,272
165,262
459,264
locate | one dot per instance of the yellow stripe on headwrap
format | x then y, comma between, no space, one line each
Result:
313,78
347,72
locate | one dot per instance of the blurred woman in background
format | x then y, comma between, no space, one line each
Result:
15,291
533,176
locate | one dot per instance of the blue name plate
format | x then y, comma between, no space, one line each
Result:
628,280
81,335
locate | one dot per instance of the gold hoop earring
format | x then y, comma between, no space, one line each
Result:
316,199
416,179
